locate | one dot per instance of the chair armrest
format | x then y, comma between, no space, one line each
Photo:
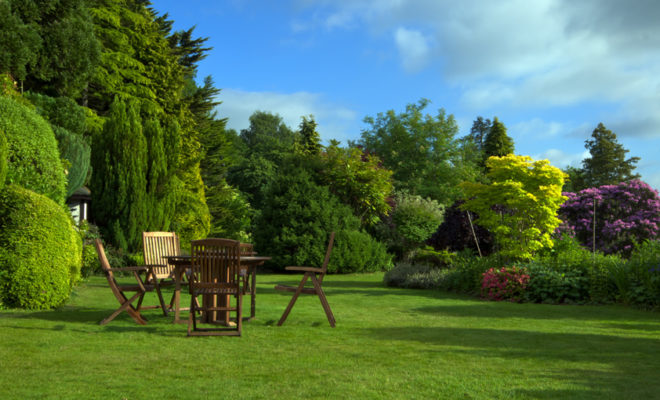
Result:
138,269
304,269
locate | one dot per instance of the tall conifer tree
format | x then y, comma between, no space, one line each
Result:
607,164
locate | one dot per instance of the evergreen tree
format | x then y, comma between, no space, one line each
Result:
479,131
119,159
309,138
607,164
497,142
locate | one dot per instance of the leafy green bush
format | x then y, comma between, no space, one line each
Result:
356,251
412,275
438,259
295,223
547,285
412,221
34,160
76,151
466,273
40,250
638,280
3,159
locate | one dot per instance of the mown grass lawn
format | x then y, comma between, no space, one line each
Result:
388,343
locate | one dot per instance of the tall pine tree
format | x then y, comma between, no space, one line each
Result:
497,142
608,164
118,186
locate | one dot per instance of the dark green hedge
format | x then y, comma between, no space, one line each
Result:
33,159
40,250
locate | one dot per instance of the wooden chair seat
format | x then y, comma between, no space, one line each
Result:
315,276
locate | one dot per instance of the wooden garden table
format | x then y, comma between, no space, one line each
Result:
182,263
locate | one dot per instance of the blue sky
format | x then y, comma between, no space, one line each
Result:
550,70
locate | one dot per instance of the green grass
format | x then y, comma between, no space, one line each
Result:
388,343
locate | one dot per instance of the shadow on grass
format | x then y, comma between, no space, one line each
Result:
489,309
599,365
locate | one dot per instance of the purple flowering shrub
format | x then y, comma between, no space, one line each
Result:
504,283
626,214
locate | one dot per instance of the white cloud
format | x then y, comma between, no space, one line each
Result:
538,128
560,159
334,121
413,47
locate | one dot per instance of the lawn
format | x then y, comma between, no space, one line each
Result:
388,343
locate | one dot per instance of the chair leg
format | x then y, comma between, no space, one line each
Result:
128,307
239,317
324,300
293,300
160,298
192,323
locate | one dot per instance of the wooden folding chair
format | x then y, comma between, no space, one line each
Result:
315,275
157,246
215,275
125,303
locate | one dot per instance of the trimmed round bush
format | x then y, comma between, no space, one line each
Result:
33,157
3,159
40,250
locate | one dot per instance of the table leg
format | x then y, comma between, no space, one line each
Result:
178,274
253,292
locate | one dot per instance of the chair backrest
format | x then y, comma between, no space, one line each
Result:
105,266
157,246
247,249
215,262
326,260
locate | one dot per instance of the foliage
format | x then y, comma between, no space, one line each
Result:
77,152
230,212
295,223
357,251
466,273
309,140
263,147
548,285
40,251
438,259
19,42
506,283
520,204
4,153
58,50
359,181
34,161
414,275
479,132
60,111
412,221
119,182
626,213
456,232
607,164
638,280
497,142
420,150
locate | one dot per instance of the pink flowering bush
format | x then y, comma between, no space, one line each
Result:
626,214
507,283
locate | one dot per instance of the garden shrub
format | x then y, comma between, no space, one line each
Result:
437,259
76,151
466,273
34,160
294,226
455,232
3,159
40,250
406,274
506,283
357,251
412,221
626,213
638,280
547,285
